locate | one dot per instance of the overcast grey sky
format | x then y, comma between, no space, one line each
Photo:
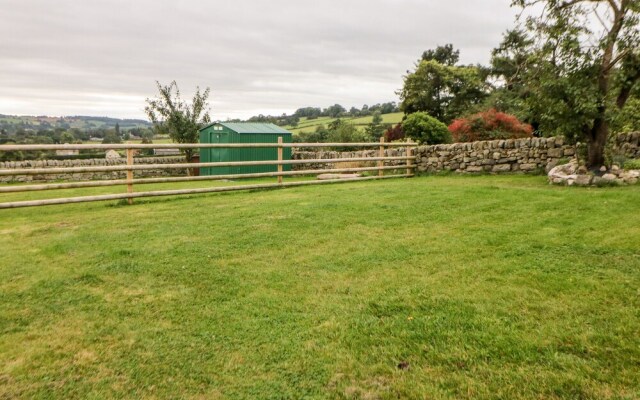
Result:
102,57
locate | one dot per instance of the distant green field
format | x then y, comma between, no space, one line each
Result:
138,141
310,125
155,141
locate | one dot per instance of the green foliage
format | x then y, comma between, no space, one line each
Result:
335,111
628,119
319,135
67,137
508,65
376,128
111,138
445,55
632,164
338,131
443,91
579,75
425,129
343,132
84,125
172,116
147,138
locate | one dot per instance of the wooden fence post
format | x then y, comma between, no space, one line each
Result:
130,175
409,161
280,158
393,163
381,154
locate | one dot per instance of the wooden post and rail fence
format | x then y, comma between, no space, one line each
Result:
130,168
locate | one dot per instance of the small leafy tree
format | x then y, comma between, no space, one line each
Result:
111,138
172,116
335,111
343,132
376,128
443,91
423,128
67,137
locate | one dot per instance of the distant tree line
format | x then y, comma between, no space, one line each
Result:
61,136
11,124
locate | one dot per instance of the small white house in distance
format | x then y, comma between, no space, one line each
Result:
67,152
166,152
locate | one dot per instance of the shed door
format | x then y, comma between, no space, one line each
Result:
217,154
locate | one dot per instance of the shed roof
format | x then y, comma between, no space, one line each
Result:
251,127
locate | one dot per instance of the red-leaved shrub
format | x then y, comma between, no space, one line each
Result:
489,125
394,133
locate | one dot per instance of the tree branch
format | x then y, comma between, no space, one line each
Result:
571,3
625,92
615,7
613,62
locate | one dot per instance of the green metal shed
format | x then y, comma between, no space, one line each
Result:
242,132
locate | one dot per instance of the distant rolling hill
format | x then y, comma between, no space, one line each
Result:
84,123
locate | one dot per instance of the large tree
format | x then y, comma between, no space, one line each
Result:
584,64
509,62
442,89
172,116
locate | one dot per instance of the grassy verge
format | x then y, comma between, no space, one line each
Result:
432,287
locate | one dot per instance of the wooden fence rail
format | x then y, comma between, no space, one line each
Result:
131,167
130,181
40,147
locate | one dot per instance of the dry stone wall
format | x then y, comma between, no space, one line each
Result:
96,162
627,145
526,155
311,155
511,155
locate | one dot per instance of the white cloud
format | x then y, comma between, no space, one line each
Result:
257,57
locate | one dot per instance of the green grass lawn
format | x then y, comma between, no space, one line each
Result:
431,287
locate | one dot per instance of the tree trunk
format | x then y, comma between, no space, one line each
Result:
597,142
188,154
